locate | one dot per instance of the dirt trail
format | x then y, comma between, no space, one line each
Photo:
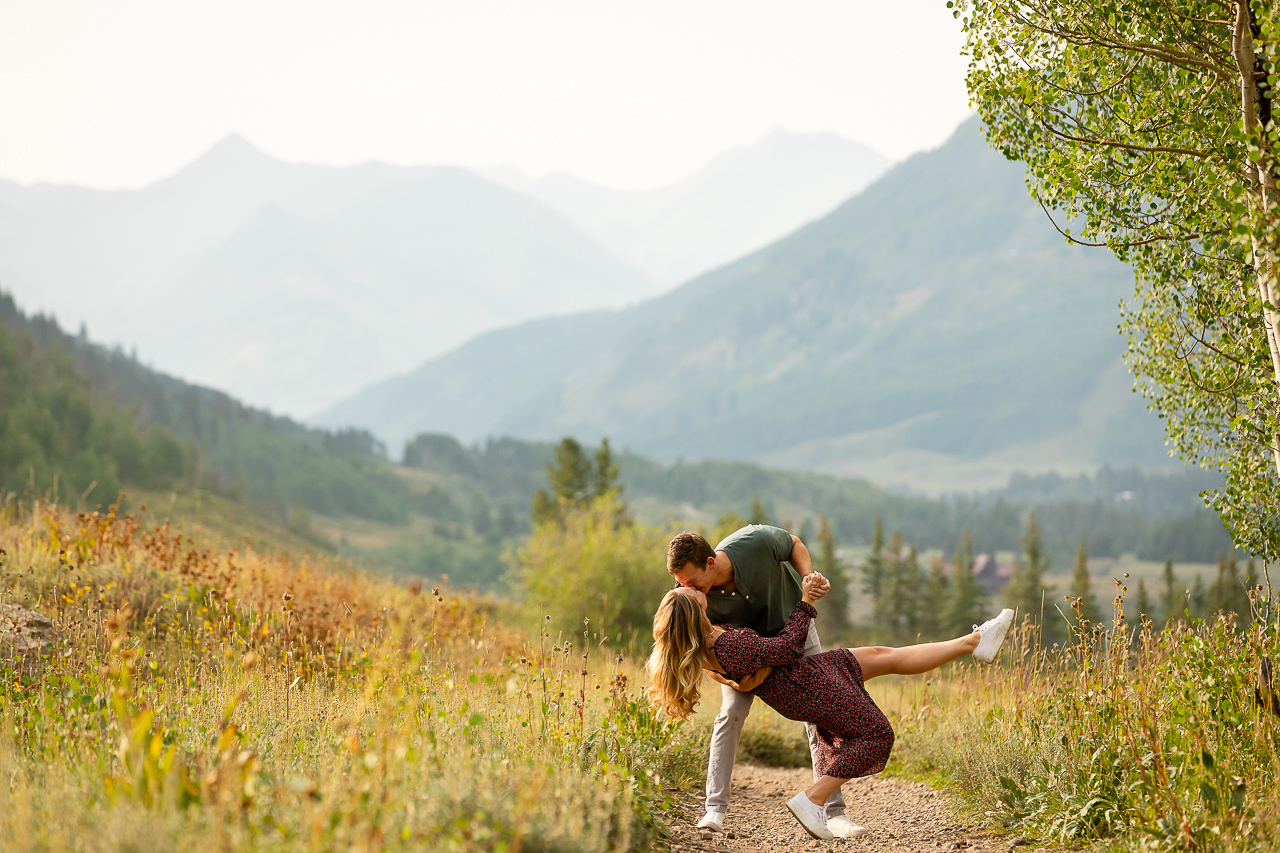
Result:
900,815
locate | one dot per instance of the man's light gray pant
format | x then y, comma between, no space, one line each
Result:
734,707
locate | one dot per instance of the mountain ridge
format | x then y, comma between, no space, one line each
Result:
741,200
932,333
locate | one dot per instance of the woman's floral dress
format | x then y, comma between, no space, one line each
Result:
825,690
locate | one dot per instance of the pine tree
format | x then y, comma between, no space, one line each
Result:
967,604
890,595
1169,598
933,603
1227,594
1026,592
873,571
604,479
833,616
1143,602
573,481
1082,587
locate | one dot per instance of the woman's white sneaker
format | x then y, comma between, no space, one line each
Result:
811,816
841,827
993,632
713,821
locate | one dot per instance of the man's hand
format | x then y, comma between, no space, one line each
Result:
751,682
715,676
814,586
755,679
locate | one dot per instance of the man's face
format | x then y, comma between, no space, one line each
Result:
696,594
694,576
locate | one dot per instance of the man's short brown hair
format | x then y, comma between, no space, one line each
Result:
688,548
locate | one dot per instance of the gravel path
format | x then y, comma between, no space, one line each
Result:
900,815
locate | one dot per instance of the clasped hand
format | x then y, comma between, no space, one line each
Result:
814,586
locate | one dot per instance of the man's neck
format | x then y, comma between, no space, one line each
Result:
724,572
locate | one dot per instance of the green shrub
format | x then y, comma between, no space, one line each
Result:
598,565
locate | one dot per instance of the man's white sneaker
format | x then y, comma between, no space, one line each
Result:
841,827
713,821
993,632
812,817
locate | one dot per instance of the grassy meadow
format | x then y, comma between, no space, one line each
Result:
226,698
1131,738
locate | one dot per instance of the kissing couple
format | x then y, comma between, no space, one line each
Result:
743,612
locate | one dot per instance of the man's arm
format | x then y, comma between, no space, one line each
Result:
751,682
799,557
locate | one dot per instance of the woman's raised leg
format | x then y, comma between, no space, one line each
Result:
912,660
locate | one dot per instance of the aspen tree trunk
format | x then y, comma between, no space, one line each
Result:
1264,199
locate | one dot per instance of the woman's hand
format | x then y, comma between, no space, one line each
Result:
814,586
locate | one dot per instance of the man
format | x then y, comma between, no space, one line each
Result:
751,580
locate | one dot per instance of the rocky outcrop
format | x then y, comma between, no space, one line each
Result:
23,632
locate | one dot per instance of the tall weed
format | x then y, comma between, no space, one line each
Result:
1149,739
233,700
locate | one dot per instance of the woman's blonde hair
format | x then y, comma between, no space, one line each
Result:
680,637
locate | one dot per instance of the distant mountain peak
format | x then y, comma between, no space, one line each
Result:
230,158
233,146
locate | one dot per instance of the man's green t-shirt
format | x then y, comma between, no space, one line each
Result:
767,587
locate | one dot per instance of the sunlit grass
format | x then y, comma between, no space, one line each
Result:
1129,737
199,698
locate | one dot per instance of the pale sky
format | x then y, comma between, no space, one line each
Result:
628,94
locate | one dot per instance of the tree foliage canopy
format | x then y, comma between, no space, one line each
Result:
1146,127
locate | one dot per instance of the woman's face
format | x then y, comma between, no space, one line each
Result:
696,594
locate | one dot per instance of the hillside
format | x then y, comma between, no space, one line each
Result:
934,333
742,200
290,286
85,421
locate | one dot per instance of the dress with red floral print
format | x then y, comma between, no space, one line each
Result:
824,689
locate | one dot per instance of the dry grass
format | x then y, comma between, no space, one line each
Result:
1129,738
229,699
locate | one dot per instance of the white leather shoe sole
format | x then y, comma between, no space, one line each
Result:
841,827
810,817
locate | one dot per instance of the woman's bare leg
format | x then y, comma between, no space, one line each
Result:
824,787
912,660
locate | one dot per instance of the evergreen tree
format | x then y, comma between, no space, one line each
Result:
1143,601
1026,592
1227,594
758,513
833,617
967,604
873,571
933,603
604,478
573,481
900,595
1198,601
1082,587
1169,598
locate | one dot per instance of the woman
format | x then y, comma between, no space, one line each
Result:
825,689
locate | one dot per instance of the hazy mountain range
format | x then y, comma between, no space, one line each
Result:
292,286
742,200
932,332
